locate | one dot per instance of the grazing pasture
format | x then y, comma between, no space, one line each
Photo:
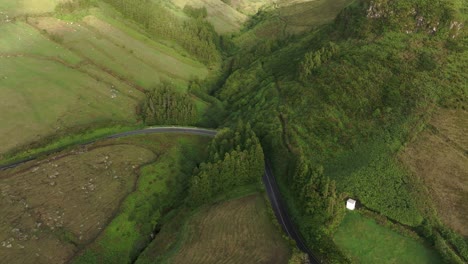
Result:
40,97
57,75
365,241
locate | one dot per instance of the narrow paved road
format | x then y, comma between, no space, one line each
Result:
282,215
269,181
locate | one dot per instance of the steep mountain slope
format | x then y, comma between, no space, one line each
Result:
341,101
66,66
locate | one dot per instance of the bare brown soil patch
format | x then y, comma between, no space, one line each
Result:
439,158
52,207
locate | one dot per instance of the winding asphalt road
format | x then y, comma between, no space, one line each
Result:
269,181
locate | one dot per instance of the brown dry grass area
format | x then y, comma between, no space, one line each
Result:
439,157
237,231
51,207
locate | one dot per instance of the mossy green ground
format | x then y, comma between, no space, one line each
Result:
365,241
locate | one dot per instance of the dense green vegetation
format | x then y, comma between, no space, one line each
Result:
330,108
235,159
347,97
164,105
160,187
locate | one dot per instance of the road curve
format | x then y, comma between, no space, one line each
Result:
269,180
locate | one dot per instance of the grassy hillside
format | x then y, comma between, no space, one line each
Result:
341,101
37,101
24,7
337,93
235,231
224,18
80,65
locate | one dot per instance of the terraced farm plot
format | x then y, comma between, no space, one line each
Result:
366,242
236,231
113,51
43,90
20,39
161,58
56,75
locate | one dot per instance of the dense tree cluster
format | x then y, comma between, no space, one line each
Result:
235,159
164,105
314,59
317,195
195,35
367,85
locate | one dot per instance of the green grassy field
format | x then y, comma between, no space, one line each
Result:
90,68
233,231
160,186
365,241
22,7
41,97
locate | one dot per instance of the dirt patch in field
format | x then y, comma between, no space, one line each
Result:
51,208
52,25
439,157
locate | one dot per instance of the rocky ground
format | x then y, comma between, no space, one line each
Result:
53,207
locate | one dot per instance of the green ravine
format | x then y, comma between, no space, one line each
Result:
331,92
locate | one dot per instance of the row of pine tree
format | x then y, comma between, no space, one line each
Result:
235,159
164,105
